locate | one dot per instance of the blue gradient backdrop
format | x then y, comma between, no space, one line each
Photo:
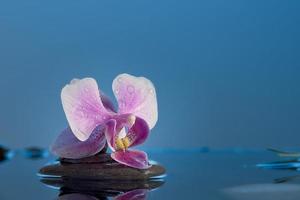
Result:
227,72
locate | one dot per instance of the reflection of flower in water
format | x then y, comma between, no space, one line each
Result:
138,194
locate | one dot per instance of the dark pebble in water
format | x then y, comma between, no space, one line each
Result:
93,168
35,152
5,154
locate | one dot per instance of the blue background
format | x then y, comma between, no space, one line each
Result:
227,73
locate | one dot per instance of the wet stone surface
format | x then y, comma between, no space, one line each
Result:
99,158
100,167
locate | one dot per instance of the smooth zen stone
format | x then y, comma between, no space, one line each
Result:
109,170
98,158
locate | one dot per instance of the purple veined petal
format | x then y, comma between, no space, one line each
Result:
138,194
132,158
138,133
124,120
136,95
110,133
76,196
83,106
107,103
67,145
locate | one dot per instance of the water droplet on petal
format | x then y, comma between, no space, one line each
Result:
122,104
130,89
119,79
117,91
82,114
151,91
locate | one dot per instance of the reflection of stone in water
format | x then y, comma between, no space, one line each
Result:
76,196
106,186
82,189
5,154
99,167
264,192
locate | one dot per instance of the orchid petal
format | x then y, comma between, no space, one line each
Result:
136,95
138,194
132,158
110,133
138,133
83,107
107,103
68,146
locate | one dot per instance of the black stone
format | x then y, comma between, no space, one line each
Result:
99,158
99,167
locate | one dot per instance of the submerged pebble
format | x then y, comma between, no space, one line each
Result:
35,152
5,154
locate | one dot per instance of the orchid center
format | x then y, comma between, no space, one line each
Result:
123,141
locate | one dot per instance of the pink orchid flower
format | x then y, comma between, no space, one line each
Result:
93,120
